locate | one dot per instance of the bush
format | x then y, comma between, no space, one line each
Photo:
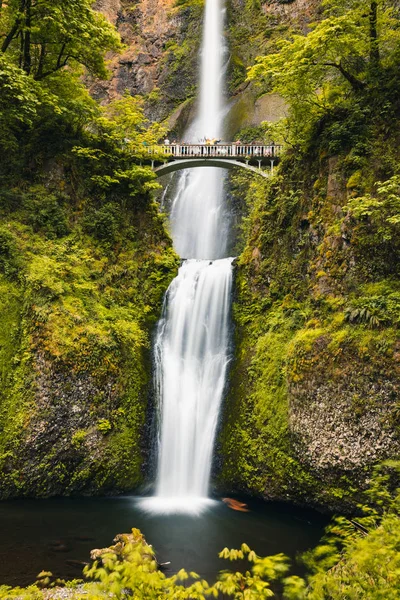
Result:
9,255
46,212
104,223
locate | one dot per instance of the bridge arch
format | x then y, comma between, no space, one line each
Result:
222,163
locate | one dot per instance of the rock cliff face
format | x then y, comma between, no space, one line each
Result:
299,13
159,62
346,421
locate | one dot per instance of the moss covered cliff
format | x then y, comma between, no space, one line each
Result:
84,263
77,312
313,401
82,285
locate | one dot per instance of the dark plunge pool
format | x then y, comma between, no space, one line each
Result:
56,534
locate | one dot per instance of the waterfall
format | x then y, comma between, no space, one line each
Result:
192,341
198,220
191,363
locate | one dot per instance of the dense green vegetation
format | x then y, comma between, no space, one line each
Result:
316,381
84,260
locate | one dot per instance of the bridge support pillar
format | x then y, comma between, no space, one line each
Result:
272,167
259,163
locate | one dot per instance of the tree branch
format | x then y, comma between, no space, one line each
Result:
61,54
14,29
40,76
11,35
373,34
355,83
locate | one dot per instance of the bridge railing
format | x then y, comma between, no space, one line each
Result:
234,150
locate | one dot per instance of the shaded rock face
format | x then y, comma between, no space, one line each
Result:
344,422
63,446
153,32
300,12
248,110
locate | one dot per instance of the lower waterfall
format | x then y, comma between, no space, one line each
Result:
191,359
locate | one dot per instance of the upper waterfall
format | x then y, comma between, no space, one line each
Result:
210,118
198,217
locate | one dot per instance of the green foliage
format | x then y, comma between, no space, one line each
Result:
381,209
45,36
46,212
111,157
78,438
348,53
104,223
9,256
249,135
375,311
104,426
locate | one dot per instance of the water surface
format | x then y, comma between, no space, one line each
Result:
47,534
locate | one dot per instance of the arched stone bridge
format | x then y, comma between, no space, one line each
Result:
253,157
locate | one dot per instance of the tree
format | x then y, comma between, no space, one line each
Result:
342,56
115,144
18,106
45,36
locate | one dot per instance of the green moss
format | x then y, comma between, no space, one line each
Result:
74,351
78,438
316,305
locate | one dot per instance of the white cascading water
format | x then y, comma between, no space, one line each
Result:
192,342
198,219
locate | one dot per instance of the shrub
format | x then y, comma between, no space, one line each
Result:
9,255
104,426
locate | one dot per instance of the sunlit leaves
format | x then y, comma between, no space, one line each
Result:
381,209
340,57
57,33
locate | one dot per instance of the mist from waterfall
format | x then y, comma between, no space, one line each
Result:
192,341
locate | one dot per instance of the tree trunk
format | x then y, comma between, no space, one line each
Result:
373,34
27,60
42,56
14,29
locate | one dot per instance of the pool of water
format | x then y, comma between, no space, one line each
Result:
56,534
